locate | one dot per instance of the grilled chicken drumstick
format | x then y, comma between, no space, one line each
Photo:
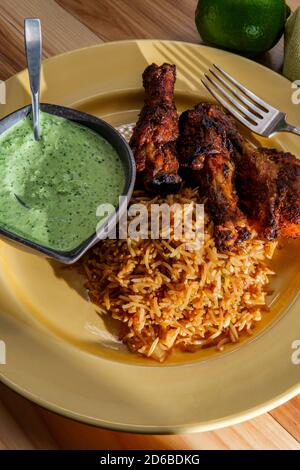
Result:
267,181
154,138
269,186
206,155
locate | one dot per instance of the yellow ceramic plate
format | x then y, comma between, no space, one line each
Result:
61,355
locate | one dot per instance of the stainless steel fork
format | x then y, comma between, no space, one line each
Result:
248,108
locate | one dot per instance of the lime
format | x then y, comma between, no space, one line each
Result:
246,26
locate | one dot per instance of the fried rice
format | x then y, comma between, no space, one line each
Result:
168,295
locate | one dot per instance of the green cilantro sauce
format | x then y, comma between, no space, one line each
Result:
50,189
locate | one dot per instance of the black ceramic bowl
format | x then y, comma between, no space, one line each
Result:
120,145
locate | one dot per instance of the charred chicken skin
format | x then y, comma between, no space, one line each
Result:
154,138
269,186
206,157
267,182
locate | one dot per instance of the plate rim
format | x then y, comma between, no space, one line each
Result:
149,40
205,426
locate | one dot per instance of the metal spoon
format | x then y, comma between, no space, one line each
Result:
33,48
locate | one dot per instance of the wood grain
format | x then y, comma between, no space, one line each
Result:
61,32
127,19
288,416
70,24
21,426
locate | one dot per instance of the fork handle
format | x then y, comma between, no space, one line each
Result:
290,128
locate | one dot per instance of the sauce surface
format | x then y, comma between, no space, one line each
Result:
50,189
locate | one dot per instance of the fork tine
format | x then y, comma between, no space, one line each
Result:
267,107
230,108
240,97
247,113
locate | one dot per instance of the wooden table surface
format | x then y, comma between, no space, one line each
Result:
70,24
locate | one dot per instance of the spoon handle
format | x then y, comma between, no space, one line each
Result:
33,47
